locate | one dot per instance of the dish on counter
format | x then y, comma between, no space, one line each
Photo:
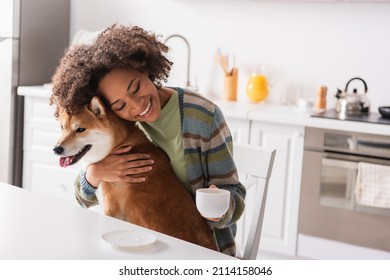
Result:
384,111
129,238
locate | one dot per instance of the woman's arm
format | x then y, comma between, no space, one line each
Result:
222,170
119,166
85,193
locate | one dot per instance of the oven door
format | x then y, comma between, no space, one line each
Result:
327,205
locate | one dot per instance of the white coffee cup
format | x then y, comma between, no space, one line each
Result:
305,104
212,203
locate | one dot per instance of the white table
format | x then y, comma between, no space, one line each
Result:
33,226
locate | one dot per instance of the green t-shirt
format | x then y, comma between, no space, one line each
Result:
166,133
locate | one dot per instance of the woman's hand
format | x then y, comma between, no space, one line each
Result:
118,167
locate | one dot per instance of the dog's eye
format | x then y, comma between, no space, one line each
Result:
80,129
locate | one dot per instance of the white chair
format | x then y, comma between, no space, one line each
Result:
254,165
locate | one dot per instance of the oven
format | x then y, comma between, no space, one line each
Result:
328,208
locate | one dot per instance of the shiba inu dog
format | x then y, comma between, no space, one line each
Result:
161,203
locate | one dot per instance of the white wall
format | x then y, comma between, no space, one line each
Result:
306,44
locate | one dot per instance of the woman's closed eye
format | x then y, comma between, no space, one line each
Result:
137,86
133,89
119,106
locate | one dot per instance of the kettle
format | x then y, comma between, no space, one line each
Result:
352,103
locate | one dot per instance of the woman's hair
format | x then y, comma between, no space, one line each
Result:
81,68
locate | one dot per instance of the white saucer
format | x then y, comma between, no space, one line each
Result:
129,238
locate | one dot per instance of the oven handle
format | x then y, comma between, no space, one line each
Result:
340,163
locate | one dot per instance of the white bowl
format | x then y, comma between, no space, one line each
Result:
212,203
305,104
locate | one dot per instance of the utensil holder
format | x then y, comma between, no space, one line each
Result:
230,85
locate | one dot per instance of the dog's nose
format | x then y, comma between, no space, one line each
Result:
58,150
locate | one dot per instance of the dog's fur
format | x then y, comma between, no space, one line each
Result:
160,203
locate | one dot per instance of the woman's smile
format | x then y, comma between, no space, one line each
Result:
147,110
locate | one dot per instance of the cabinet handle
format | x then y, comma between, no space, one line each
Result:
340,163
64,187
5,38
299,134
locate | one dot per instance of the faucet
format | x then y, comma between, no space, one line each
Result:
188,83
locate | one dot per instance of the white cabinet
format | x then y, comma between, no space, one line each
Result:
281,213
41,170
239,128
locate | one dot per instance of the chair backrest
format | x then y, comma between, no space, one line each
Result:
255,164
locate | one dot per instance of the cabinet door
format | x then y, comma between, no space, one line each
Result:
41,170
239,129
6,104
7,18
281,214
42,174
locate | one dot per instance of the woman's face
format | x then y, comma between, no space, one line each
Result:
131,95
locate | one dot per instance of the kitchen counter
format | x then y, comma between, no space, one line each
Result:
43,91
289,115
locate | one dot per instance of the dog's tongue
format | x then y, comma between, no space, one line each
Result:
65,161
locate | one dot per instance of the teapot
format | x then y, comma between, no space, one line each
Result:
352,103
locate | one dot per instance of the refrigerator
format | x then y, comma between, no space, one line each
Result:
33,36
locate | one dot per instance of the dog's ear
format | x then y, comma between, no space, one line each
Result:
96,106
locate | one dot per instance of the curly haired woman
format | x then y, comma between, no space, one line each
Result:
125,67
